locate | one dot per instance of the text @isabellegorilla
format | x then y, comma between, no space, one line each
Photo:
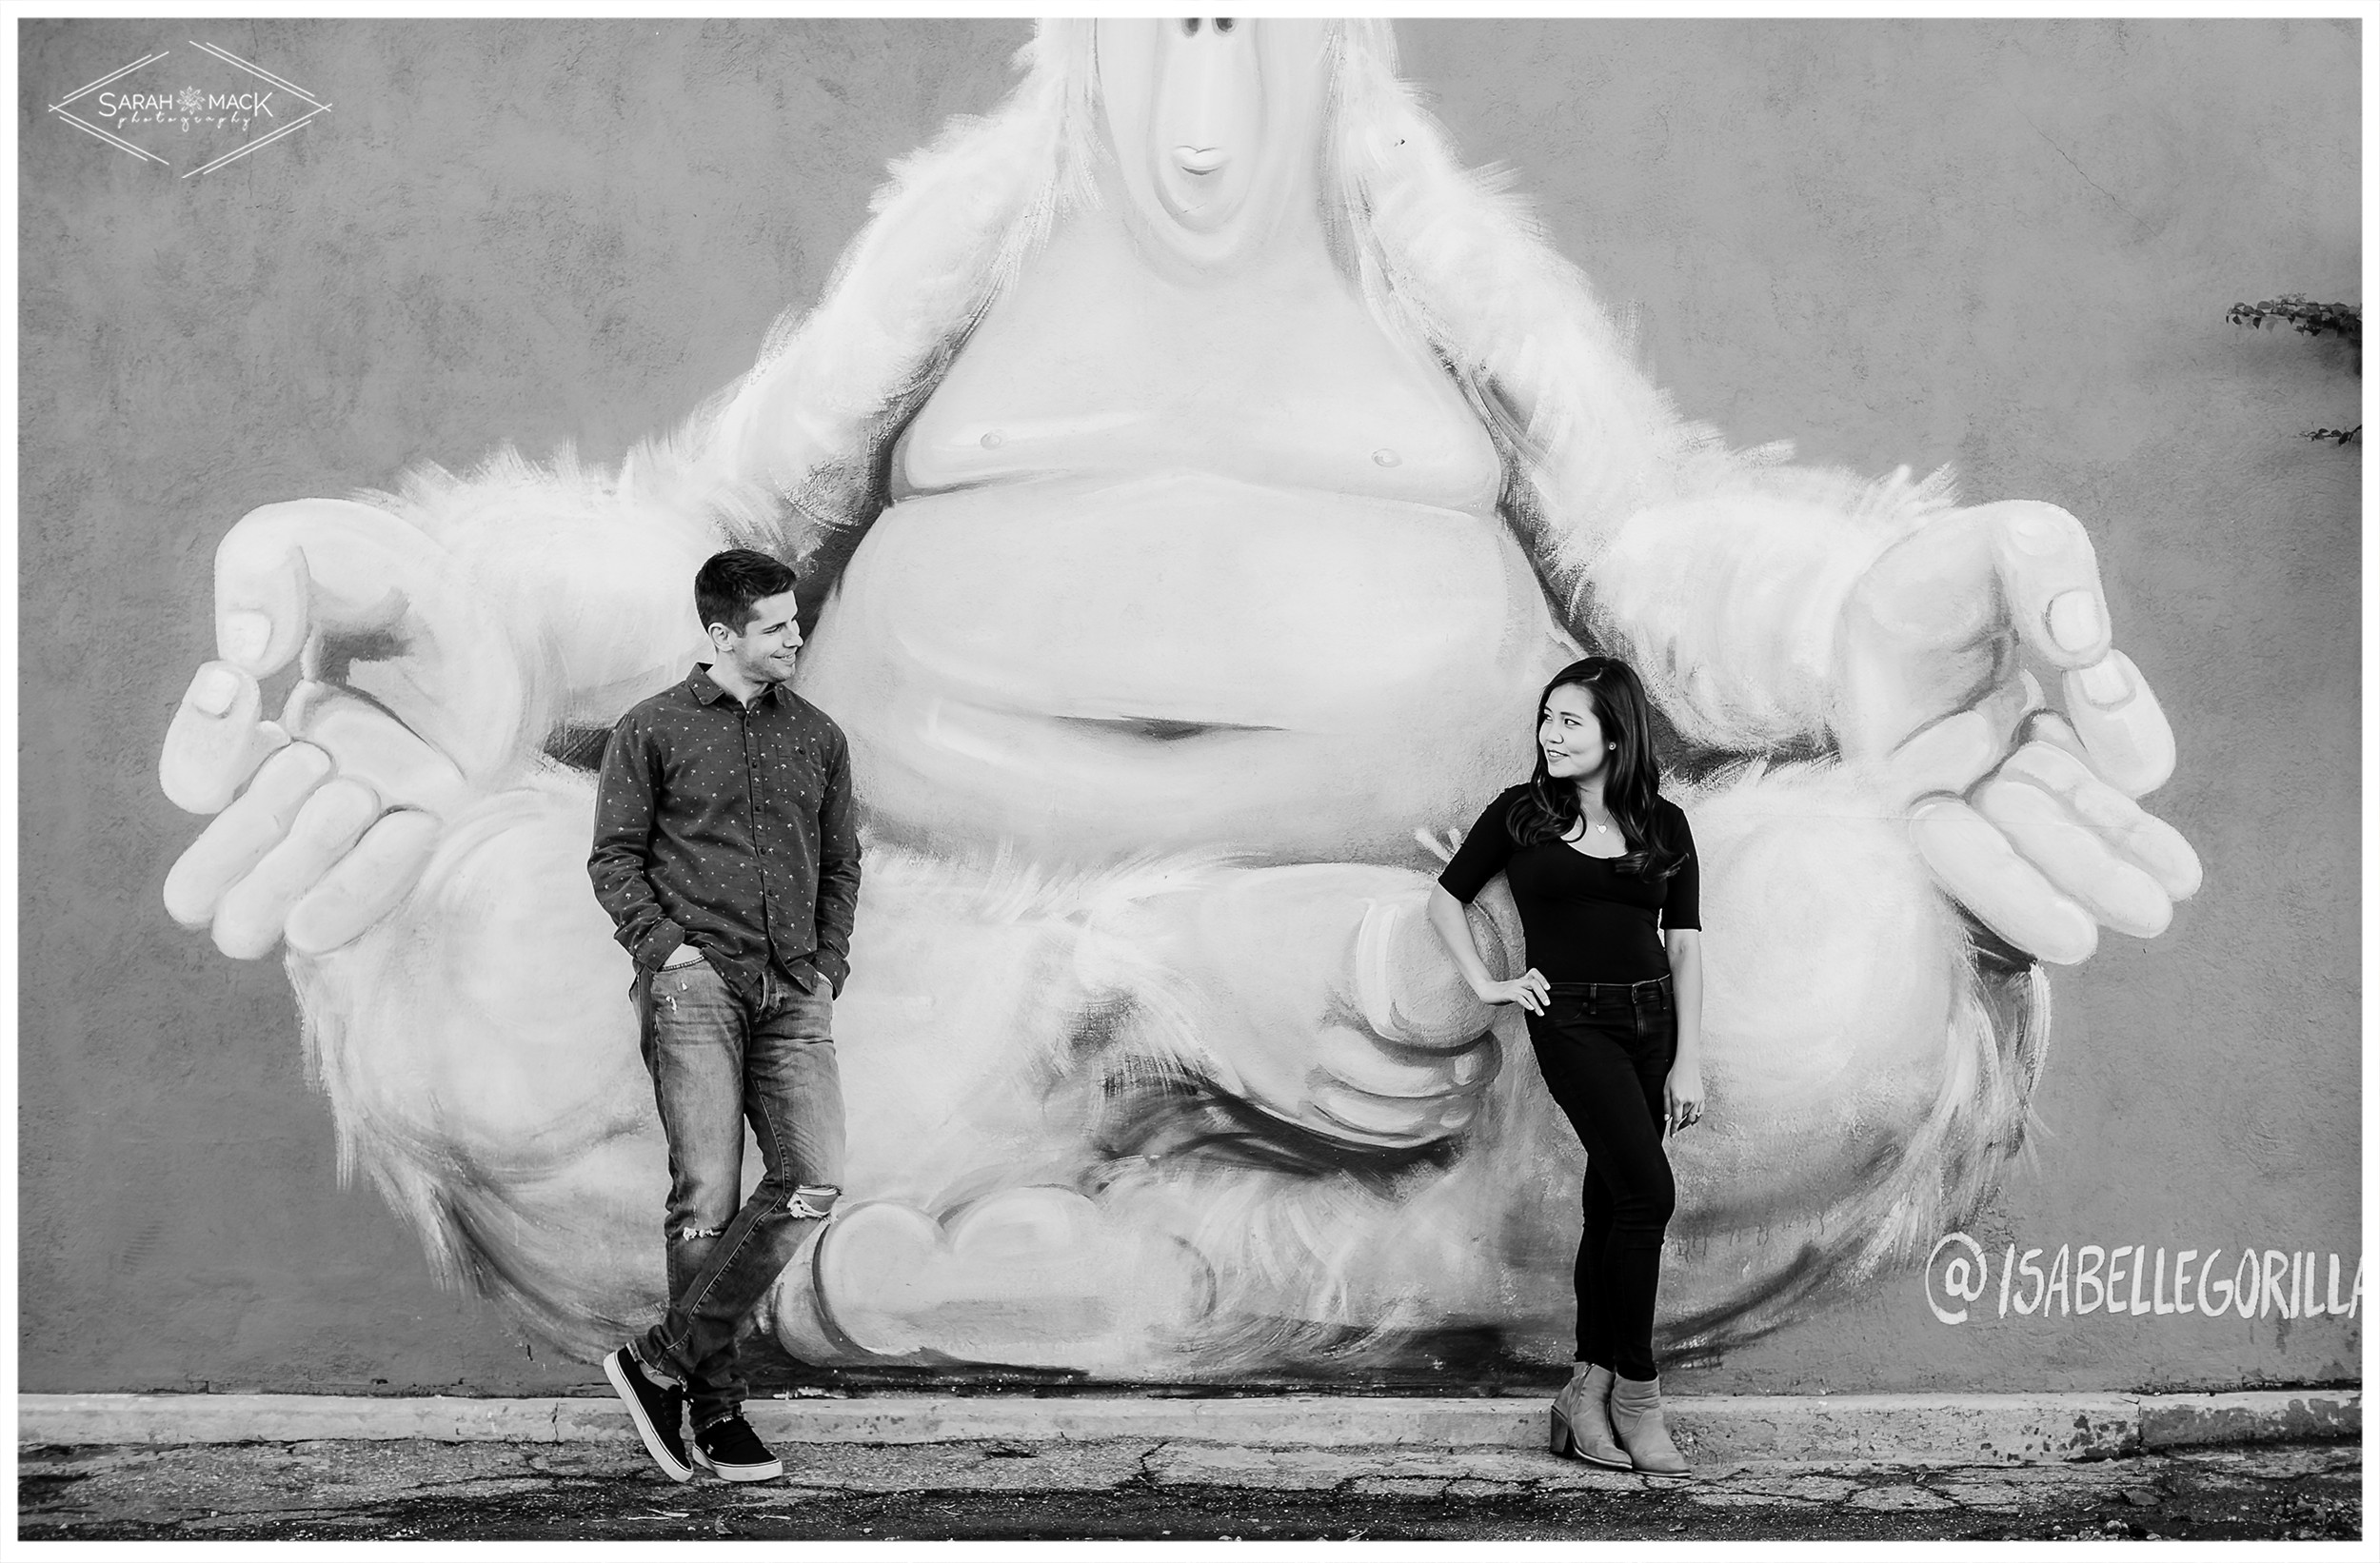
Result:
1963,1280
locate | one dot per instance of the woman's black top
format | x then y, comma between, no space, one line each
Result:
1584,921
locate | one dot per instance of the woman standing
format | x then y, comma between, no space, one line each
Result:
1602,869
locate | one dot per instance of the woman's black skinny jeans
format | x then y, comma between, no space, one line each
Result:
1605,1049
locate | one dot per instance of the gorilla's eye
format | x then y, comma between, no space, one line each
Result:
1190,26
1223,24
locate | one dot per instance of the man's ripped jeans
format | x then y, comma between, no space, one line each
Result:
717,1063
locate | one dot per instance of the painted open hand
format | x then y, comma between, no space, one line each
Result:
409,699
2023,809
1320,994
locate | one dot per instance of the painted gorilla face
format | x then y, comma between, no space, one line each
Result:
1212,125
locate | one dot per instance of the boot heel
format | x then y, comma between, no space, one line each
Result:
1580,1424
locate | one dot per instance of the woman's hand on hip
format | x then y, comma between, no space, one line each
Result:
1529,990
1683,1096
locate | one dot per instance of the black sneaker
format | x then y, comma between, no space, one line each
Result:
658,1410
732,1452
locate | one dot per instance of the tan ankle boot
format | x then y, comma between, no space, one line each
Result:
1582,1429
1637,1422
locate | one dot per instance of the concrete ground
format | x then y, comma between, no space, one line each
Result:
414,1489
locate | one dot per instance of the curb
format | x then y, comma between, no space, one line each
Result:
1884,1429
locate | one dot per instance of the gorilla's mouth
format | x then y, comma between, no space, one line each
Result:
1162,729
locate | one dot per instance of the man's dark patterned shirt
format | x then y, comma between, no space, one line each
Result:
732,828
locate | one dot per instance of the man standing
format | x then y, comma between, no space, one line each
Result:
726,852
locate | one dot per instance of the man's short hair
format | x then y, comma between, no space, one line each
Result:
728,584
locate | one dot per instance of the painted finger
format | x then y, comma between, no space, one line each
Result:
1408,987
315,572
1922,634
365,885
2145,841
2050,580
1391,1121
1954,754
218,739
1932,589
286,570
375,748
2006,894
2122,726
874,1258
248,922
239,836
1345,1056
2054,730
2074,858
2154,845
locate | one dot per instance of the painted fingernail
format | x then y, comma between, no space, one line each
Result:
243,635
2103,683
1456,1114
214,690
2075,621
1465,1068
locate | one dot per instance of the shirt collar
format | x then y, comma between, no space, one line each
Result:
704,688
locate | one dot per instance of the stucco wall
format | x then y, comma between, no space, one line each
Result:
2003,246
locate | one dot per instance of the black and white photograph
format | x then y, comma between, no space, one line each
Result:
854,779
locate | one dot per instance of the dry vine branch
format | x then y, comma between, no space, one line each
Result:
2311,319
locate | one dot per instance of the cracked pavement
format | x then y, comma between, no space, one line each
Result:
420,1489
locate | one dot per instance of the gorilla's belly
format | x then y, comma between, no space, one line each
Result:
1091,667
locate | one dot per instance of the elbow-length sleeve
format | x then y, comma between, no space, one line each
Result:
1683,906
1482,855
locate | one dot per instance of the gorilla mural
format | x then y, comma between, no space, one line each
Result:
1194,472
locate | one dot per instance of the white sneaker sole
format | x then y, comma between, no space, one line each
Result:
670,1466
770,1472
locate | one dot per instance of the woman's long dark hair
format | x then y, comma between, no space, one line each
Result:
1548,810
